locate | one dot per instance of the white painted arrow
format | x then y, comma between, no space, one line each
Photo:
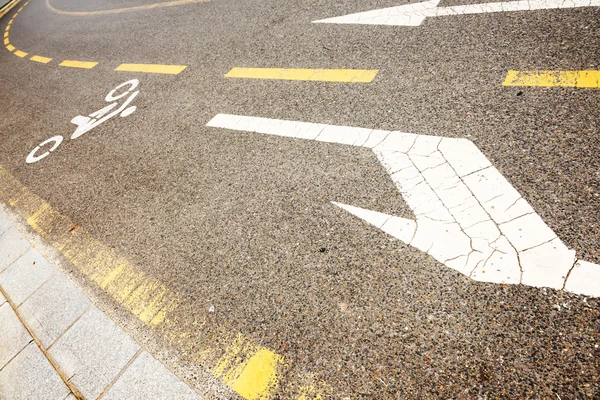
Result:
467,215
414,14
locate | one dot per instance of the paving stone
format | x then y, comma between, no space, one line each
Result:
2,299
147,378
25,275
13,336
93,352
53,308
12,245
5,223
30,376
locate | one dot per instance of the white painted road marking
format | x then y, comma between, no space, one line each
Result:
85,124
414,14
468,216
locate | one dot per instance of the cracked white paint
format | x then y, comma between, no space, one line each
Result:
415,13
468,216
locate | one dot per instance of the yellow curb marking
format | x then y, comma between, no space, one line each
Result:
78,64
121,10
577,79
40,59
150,300
20,53
8,7
301,74
10,47
253,371
152,68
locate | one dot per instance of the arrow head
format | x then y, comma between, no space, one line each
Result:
405,15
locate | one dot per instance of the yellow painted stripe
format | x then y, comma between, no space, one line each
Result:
301,74
253,371
6,34
152,68
6,41
20,53
576,79
121,10
8,7
10,47
78,64
141,294
40,59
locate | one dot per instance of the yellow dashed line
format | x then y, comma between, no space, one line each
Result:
300,74
40,59
577,79
152,68
78,64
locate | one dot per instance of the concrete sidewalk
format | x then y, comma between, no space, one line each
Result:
55,344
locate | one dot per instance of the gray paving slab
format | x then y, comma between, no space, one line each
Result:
147,378
31,376
93,352
12,245
53,308
5,223
25,275
13,335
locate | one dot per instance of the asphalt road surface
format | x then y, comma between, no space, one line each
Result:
271,290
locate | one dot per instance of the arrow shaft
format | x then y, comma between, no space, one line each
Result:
519,5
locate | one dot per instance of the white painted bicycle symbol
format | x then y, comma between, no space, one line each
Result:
85,124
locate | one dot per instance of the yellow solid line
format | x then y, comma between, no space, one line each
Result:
152,68
10,47
78,64
301,74
20,53
576,79
8,7
40,59
120,10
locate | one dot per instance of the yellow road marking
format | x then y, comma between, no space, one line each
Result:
253,371
150,301
78,64
40,59
152,68
121,10
10,47
301,74
8,7
252,377
20,53
6,34
6,41
577,79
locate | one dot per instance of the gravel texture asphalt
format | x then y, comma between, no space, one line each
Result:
243,222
